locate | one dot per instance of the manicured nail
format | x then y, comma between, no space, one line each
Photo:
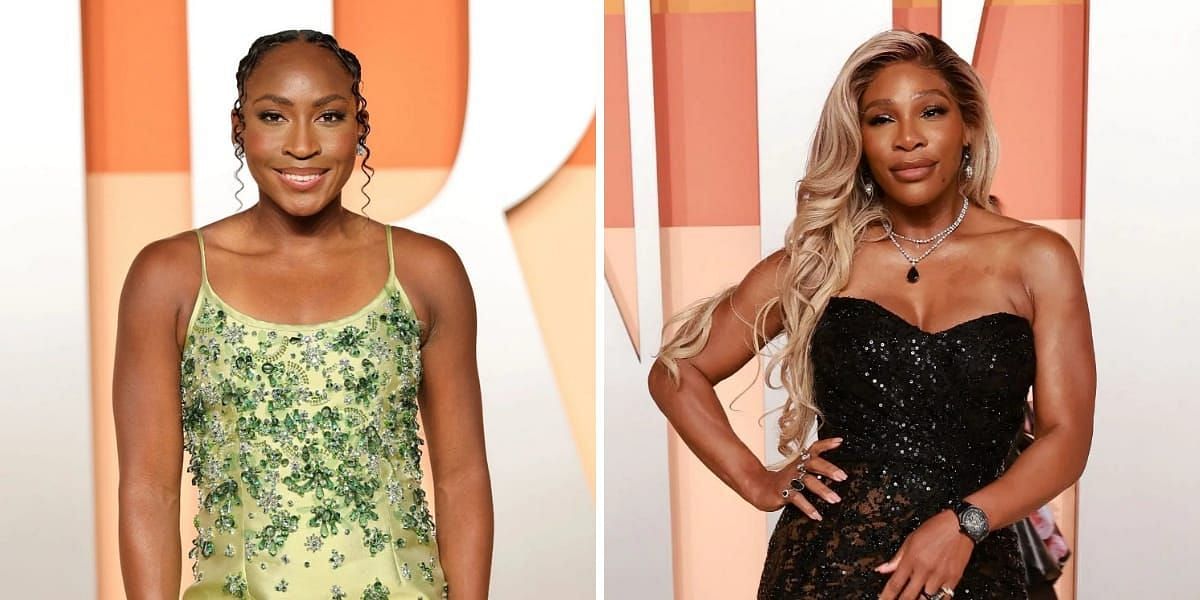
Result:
837,440
816,515
835,498
840,475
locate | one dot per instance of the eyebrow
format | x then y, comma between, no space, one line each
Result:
286,102
888,101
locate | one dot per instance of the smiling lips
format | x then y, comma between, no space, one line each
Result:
911,171
301,179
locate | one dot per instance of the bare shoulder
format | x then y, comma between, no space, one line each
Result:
161,285
425,257
168,268
432,274
1044,258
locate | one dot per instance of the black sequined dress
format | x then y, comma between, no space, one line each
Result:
926,418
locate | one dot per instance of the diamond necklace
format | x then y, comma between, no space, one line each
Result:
937,239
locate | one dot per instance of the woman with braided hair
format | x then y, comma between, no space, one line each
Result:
916,318
265,345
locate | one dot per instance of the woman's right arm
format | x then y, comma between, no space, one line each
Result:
146,413
695,411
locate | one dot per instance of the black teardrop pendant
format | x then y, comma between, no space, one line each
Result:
913,275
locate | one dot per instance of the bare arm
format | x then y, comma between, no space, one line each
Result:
149,434
695,411
1064,390
453,417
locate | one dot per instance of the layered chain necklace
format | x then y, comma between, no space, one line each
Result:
913,274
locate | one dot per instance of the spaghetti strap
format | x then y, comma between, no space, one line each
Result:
391,258
203,260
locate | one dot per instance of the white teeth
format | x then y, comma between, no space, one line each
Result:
299,178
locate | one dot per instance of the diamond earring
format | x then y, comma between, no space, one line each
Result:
361,149
968,170
867,183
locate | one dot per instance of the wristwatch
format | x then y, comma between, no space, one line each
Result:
972,521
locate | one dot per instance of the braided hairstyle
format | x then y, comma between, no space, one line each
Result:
247,65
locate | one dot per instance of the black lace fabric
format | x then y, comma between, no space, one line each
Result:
926,418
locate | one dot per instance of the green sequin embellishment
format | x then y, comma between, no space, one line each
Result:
305,440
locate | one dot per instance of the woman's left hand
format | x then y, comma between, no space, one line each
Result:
932,557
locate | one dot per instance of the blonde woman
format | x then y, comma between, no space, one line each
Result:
916,319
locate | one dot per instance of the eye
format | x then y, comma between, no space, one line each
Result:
934,111
270,116
879,120
332,116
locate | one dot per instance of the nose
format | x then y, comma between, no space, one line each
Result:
301,143
909,136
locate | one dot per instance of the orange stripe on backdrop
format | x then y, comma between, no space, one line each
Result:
701,6
919,19
705,96
414,57
137,190
707,118
135,85
584,154
1032,59
618,178
620,270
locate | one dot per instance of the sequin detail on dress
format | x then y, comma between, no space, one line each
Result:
926,417
305,450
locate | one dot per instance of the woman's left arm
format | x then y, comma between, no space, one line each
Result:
453,418
1064,391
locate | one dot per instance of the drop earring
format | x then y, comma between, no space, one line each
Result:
361,149
968,170
868,186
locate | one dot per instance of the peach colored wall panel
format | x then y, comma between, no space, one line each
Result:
395,192
414,58
1032,58
707,118
125,212
554,233
620,273
719,539
135,94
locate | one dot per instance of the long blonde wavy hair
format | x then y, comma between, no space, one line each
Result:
833,212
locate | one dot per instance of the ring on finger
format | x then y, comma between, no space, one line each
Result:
805,455
786,493
797,484
946,592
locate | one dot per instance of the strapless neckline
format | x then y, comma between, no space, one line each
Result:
999,315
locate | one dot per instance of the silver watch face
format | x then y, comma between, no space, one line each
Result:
974,521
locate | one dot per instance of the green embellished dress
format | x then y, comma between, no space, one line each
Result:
304,447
